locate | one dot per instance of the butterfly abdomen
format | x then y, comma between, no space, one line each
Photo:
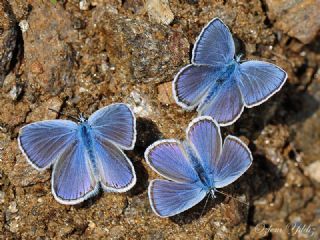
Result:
195,161
86,137
224,79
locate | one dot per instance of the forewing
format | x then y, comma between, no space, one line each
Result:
191,84
115,169
168,158
42,142
115,123
225,106
72,176
259,80
235,159
204,134
214,46
169,198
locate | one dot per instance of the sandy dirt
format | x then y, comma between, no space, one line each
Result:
77,57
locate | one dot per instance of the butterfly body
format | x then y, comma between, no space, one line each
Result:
204,181
84,156
230,69
218,84
86,138
225,79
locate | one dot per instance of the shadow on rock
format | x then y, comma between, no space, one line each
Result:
298,105
198,211
147,133
90,201
262,178
287,107
142,179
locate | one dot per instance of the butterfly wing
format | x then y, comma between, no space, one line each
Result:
214,46
167,158
213,50
225,105
42,142
72,175
115,169
191,84
203,133
235,159
259,81
169,198
116,123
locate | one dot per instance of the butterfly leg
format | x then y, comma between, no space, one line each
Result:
212,193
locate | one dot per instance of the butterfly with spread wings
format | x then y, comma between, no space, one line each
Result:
218,84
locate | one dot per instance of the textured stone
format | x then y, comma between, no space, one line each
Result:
12,114
125,35
43,112
23,175
8,38
307,137
299,19
48,48
159,10
165,93
313,171
119,54
271,142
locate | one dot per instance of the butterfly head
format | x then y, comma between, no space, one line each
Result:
238,58
82,119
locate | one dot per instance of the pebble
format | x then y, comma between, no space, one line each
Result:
84,5
140,106
24,26
313,171
14,226
159,11
2,196
13,207
15,92
165,93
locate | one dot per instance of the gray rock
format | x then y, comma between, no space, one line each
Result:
8,38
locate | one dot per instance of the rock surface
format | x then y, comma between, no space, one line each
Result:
160,11
299,19
8,38
80,57
48,51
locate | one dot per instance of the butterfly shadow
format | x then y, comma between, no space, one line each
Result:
198,211
88,203
298,105
147,133
262,178
288,107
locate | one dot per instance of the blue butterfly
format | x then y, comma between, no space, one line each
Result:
218,84
84,156
195,167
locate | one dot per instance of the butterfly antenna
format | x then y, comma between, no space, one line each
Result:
205,204
63,113
223,193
